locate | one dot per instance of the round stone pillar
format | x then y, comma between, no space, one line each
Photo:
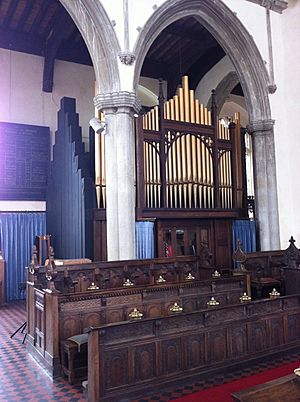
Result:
119,109
265,184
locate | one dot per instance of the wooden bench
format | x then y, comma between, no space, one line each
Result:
74,360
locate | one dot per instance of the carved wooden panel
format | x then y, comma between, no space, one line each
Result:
195,351
171,356
116,368
217,345
69,326
276,336
293,327
91,319
154,310
114,315
238,340
258,335
145,363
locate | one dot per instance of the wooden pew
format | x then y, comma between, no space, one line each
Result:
129,359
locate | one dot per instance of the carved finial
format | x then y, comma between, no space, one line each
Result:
292,241
292,254
33,267
51,271
239,256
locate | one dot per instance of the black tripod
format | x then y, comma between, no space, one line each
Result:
22,329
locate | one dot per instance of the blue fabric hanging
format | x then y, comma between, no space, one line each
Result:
17,233
245,231
144,232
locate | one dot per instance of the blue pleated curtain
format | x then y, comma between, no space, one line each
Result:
144,232
17,234
245,231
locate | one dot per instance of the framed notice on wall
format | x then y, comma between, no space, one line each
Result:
24,161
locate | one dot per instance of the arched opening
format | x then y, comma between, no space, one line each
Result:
167,38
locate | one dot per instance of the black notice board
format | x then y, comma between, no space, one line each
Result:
24,161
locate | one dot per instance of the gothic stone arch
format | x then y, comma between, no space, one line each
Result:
100,38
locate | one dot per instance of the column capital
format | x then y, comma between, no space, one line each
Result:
118,102
254,127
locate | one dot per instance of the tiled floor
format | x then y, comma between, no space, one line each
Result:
22,379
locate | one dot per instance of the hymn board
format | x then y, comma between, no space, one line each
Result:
24,161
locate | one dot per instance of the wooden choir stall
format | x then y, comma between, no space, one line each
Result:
139,324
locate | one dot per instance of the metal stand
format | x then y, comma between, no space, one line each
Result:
22,329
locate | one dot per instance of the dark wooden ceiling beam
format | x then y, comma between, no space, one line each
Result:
53,43
10,12
25,15
40,16
21,42
155,69
184,32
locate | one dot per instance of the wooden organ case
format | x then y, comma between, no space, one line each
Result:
190,177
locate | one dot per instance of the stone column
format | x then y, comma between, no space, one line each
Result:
120,167
265,184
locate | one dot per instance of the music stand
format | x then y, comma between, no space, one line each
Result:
22,288
21,328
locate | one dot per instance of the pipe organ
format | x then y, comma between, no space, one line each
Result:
190,177
198,157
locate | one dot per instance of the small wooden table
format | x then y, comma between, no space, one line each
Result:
282,389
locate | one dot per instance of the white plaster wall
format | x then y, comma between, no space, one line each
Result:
286,112
23,101
212,78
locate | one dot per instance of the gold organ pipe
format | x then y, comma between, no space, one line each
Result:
221,180
203,154
194,169
188,140
202,121
178,178
197,110
153,156
158,175
181,103
167,110
205,116
172,109
176,103
199,168
184,170
209,117
146,173
152,119
185,86
149,121
192,106
156,118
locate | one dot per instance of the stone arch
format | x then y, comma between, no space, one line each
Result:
223,89
238,44
100,38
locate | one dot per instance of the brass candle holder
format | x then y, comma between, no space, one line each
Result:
212,302
93,286
216,274
245,298
189,277
175,308
160,279
127,282
274,294
135,314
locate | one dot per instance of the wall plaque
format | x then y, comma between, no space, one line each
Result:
24,161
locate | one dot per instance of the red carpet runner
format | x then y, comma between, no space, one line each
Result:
222,393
